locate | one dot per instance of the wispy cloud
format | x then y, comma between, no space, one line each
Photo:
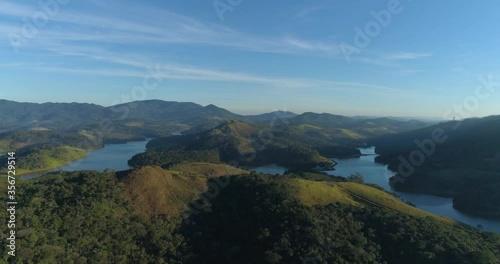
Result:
184,72
75,32
329,48
307,11
95,37
137,67
161,27
392,59
375,61
405,56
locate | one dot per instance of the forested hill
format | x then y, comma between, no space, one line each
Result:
237,142
459,159
190,214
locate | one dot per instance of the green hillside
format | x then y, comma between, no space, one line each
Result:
356,128
17,140
233,142
189,215
154,191
43,158
321,193
208,170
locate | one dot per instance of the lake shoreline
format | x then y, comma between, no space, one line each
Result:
38,173
379,174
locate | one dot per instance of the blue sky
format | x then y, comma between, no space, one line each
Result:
256,56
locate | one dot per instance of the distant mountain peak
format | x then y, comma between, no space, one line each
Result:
212,106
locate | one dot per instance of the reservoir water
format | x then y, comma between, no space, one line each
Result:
270,169
111,156
115,157
379,174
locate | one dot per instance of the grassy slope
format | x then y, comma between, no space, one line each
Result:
66,154
16,140
54,159
206,169
345,133
321,193
4,146
153,190
332,133
9,145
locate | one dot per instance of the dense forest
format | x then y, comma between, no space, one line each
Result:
91,217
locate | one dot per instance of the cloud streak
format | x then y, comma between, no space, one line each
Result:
74,30
182,72
405,56
393,59
162,27
92,38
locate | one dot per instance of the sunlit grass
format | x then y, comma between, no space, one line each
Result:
56,158
207,169
321,193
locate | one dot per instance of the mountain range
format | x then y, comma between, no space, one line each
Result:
154,118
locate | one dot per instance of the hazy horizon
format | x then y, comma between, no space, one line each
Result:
251,113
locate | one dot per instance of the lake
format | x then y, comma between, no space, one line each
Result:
116,156
379,174
111,156
270,169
